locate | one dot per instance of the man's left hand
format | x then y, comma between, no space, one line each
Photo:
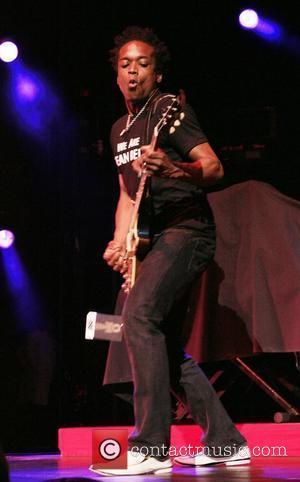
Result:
155,163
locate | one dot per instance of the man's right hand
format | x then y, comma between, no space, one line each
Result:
114,256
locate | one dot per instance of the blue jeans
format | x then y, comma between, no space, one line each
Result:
152,336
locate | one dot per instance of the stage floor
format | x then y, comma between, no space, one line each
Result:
275,450
51,468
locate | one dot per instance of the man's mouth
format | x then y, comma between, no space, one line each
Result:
132,83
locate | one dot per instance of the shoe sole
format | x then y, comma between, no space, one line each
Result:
162,471
231,462
238,462
166,470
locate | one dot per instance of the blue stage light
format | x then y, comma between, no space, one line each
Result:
32,100
249,19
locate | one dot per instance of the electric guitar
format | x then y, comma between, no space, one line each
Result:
137,243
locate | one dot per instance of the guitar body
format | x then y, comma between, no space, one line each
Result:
138,244
143,232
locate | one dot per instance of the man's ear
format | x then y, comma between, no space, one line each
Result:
159,78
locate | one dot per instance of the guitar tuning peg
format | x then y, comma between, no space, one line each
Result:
177,123
172,130
181,115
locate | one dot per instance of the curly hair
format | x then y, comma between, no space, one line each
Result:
147,35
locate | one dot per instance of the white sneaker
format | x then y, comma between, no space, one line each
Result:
137,464
240,457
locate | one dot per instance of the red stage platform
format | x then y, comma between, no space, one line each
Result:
264,439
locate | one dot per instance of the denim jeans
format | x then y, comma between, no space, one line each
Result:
152,336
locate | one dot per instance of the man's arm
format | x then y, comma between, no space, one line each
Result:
115,250
204,170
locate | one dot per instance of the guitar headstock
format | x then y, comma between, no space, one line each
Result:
171,116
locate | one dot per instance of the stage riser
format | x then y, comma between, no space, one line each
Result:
261,437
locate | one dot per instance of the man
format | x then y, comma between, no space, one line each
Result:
182,230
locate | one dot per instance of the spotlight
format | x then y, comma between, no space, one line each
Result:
248,18
8,51
6,238
264,27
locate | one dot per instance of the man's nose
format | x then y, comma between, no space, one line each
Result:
133,68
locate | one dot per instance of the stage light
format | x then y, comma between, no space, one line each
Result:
8,51
248,19
6,238
32,100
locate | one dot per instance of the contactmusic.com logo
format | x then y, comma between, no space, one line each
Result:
110,448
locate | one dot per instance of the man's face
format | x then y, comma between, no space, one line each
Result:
136,70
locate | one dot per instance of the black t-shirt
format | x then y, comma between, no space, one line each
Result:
171,199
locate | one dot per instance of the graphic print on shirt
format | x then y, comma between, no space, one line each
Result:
128,151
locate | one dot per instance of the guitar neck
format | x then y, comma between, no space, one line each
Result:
141,188
138,199
132,238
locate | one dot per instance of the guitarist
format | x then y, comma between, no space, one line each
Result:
178,166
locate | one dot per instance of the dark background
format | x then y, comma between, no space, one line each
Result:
58,194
